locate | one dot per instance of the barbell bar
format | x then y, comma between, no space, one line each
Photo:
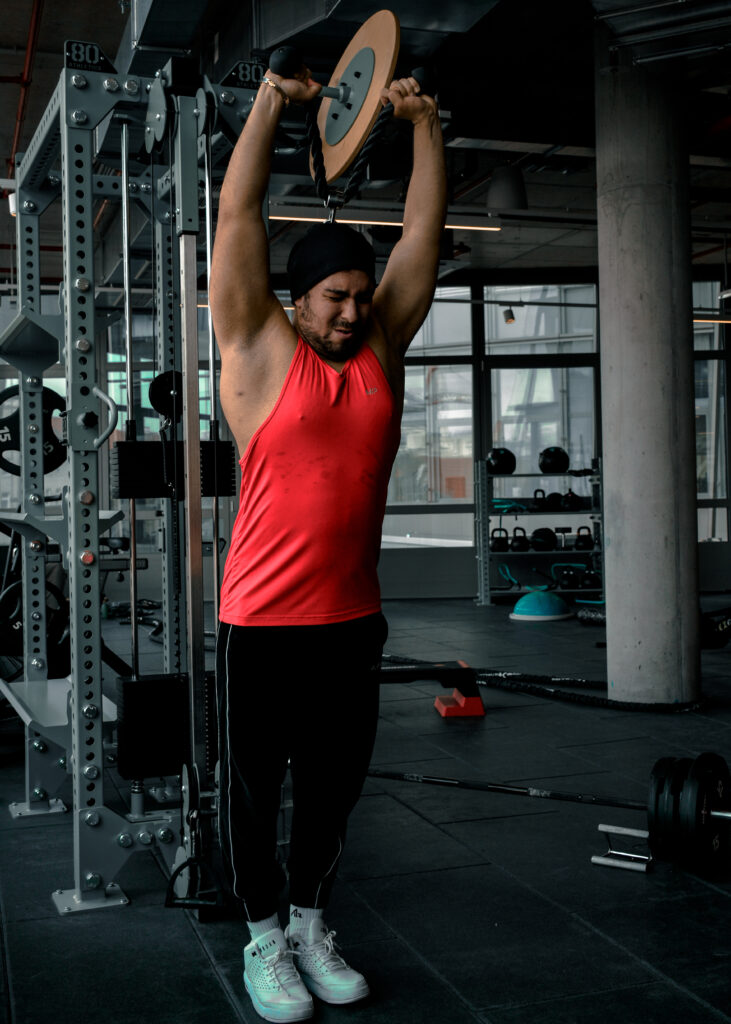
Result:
688,807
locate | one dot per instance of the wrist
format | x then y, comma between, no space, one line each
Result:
429,119
271,87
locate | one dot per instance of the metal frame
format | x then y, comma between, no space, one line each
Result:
70,716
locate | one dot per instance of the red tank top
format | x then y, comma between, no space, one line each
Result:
307,536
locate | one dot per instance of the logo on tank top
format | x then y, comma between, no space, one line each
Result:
371,391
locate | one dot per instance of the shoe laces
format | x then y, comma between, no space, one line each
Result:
280,967
325,952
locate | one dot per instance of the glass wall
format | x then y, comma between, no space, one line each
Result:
447,330
434,467
540,319
711,442
536,407
540,343
539,389
434,461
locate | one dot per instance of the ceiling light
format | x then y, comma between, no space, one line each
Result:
455,222
509,315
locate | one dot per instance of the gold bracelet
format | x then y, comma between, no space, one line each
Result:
277,86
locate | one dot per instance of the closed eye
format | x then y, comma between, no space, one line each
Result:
363,298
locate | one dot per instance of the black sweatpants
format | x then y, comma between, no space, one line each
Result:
307,695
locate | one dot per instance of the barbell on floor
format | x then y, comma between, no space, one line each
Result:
688,808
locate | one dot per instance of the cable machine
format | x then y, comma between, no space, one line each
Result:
162,722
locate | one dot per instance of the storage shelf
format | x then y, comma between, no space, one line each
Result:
497,591
498,515
574,475
495,513
555,551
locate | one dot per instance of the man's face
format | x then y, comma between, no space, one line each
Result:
332,316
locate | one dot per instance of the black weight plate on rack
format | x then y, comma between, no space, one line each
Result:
660,773
667,809
704,840
11,618
54,449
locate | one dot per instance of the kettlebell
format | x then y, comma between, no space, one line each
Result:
500,460
590,581
543,539
584,540
568,578
553,501
570,501
519,541
499,539
539,497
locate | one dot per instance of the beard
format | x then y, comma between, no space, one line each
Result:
336,348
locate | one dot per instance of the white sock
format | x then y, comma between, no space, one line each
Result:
300,918
259,928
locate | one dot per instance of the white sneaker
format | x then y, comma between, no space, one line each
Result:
324,971
271,979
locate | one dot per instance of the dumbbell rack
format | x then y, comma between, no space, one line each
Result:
485,512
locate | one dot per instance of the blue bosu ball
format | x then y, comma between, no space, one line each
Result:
540,606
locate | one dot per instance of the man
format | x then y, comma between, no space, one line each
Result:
315,408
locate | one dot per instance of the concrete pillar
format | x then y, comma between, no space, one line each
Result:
645,303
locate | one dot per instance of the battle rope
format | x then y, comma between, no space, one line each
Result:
334,198
546,686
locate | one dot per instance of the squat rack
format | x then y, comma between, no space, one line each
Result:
69,721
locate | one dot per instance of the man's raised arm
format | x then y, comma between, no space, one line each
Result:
241,297
407,288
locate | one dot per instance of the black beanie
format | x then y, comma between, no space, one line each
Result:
324,250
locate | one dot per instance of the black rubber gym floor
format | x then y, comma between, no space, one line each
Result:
459,906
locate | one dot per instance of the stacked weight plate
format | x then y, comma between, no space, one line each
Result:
683,795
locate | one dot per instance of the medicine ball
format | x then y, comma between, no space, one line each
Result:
553,460
543,539
500,460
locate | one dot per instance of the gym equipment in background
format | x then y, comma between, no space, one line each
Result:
500,461
553,460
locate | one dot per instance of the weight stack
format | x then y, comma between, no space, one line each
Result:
153,725
156,469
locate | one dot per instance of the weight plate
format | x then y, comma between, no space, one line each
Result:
54,450
703,839
667,808
709,761
357,76
11,618
166,394
187,881
381,34
660,772
157,115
